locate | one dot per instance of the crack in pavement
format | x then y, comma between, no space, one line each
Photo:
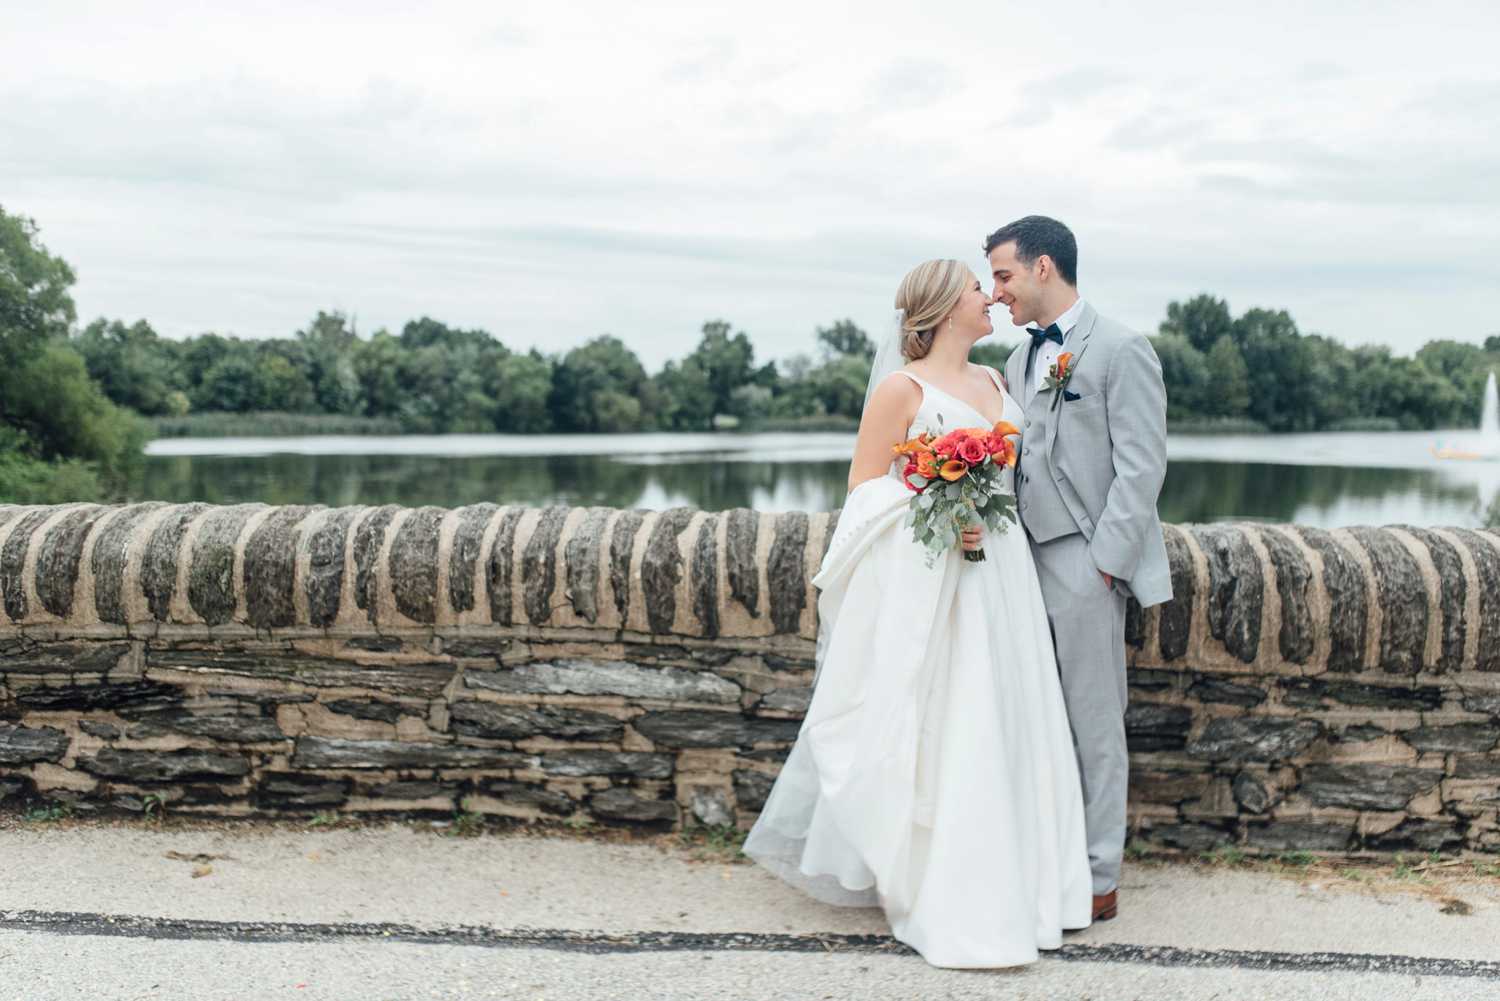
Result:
599,942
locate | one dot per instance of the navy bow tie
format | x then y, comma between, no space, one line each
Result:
1053,333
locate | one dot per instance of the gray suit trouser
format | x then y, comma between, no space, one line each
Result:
1088,628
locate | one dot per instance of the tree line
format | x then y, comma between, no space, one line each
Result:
431,377
1260,367
70,395
1256,369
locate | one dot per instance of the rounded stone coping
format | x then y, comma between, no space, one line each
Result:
366,569
1282,598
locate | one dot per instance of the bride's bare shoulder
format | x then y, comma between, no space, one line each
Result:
900,384
897,397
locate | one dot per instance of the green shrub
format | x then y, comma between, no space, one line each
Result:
25,480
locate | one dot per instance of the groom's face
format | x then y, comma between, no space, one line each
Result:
1016,285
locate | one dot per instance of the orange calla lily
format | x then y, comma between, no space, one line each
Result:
1063,361
913,446
953,469
1004,428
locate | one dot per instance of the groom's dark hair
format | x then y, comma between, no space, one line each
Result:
1036,235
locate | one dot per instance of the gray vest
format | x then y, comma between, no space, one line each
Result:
1045,513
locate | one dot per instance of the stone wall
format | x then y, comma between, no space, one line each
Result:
1334,691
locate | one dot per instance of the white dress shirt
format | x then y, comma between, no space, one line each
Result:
1048,353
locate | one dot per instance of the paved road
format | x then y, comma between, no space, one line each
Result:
253,912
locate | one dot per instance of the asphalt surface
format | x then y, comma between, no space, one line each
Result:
239,912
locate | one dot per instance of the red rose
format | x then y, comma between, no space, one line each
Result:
948,443
972,451
909,471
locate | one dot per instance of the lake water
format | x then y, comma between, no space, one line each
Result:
1316,479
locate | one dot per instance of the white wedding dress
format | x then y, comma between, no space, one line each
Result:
934,774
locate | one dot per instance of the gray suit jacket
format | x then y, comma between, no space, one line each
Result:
1095,464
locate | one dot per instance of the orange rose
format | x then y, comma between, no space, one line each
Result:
953,469
926,465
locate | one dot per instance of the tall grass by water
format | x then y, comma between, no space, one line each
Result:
217,424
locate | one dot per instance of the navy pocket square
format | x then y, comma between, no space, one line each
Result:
1070,396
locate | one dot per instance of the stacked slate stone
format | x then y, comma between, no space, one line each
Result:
1315,690
1332,691
622,666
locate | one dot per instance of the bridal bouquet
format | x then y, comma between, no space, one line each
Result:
956,478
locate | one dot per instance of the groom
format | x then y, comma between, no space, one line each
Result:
1090,469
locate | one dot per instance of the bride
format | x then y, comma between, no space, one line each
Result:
934,774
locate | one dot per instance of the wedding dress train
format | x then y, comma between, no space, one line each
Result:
934,774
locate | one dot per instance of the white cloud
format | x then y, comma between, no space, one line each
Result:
553,171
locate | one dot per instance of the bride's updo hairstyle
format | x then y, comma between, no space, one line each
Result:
927,294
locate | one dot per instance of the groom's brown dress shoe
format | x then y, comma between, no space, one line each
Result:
1105,906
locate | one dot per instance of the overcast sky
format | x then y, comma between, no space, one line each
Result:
551,171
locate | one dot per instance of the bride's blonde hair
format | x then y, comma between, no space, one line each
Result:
927,294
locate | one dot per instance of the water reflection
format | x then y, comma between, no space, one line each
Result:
450,482
1195,491
1328,496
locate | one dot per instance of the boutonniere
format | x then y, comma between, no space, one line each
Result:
1060,374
